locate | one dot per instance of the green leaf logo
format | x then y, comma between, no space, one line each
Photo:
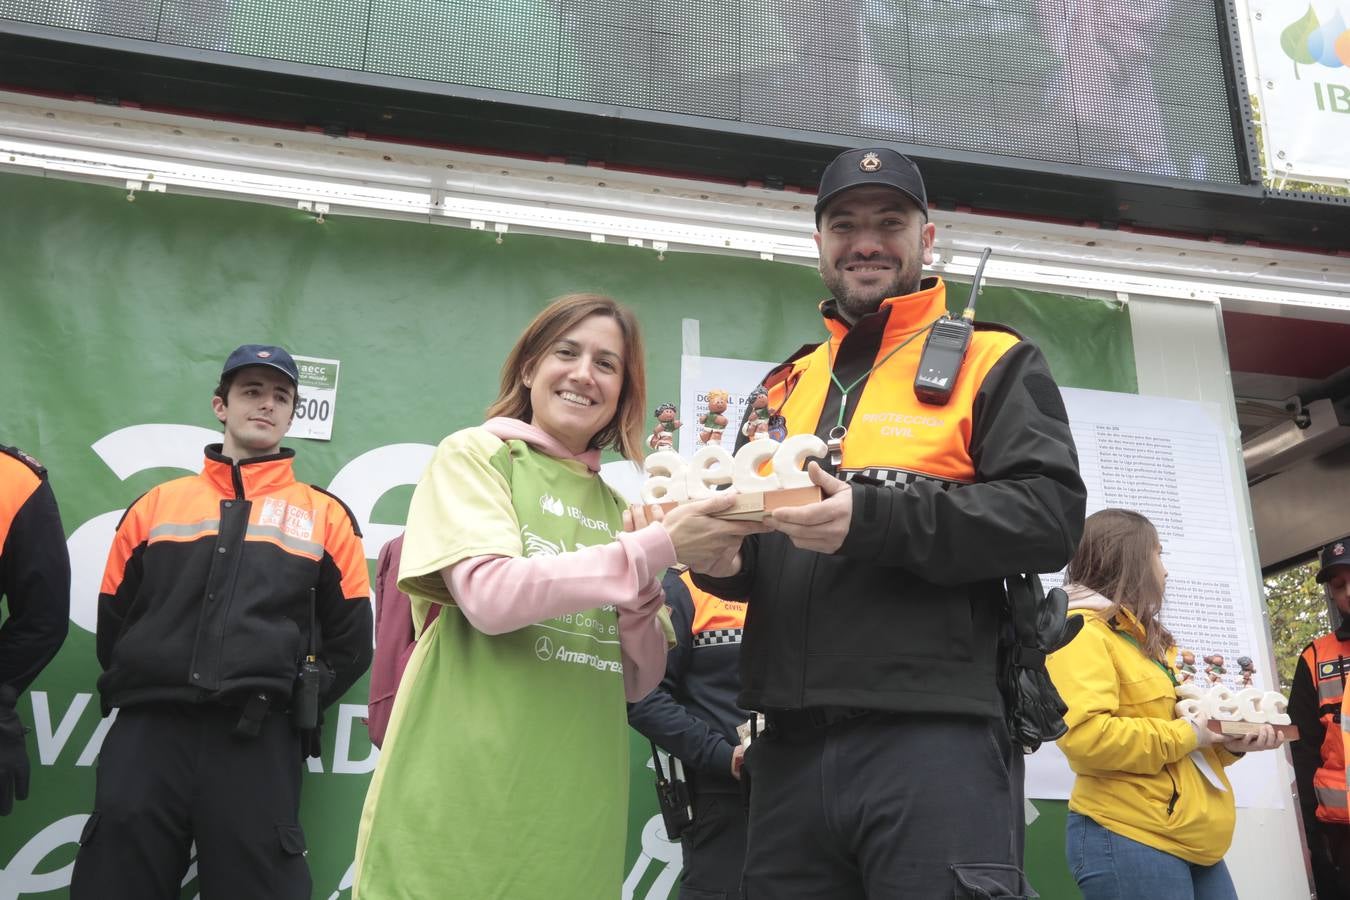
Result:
1294,39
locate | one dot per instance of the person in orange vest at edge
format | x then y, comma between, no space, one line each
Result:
234,607
1315,703
35,583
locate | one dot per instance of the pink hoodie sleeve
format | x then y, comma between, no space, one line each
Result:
498,594
642,644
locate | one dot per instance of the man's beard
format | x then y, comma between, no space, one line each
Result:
853,304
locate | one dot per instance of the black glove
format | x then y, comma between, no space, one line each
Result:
1040,626
13,752
1054,628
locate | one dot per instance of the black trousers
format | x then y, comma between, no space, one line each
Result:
172,774
714,847
1330,850
885,807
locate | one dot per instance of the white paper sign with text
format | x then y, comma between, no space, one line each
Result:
315,408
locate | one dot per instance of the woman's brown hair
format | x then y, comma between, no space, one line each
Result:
1115,559
622,433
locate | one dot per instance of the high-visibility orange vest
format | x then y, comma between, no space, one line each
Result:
1328,659
1344,797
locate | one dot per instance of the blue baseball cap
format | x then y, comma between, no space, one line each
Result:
262,355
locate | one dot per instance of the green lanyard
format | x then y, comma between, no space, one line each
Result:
843,401
1166,669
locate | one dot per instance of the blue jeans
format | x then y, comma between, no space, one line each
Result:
1108,866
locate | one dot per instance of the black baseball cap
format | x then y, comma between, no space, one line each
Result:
1334,554
262,355
871,165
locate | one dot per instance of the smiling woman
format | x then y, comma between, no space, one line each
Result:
577,373
574,387
510,713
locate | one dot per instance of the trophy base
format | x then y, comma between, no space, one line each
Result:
1242,729
752,506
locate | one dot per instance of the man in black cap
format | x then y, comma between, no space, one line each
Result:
1319,753
220,589
871,643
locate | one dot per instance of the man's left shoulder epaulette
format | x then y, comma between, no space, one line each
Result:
999,326
356,526
31,462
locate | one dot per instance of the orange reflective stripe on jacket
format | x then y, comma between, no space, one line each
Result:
1328,659
292,517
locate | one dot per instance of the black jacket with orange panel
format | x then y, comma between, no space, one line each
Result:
693,714
1318,755
947,500
34,570
206,595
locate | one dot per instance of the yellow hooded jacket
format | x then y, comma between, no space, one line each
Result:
1130,753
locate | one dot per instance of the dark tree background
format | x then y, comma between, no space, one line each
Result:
1297,606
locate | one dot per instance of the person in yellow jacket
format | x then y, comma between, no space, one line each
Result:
1151,813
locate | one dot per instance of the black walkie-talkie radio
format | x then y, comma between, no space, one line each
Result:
672,795
945,349
305,696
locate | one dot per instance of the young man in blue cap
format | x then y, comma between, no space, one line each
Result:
874,618
219,588
1315,701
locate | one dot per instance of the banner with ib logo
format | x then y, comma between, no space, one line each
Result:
1302,63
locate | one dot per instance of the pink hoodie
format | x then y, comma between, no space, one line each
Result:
1081,597
498,594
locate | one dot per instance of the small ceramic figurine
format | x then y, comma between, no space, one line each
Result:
714,423
1214,667
757,418
777,428
663,436
1186,670
1246,670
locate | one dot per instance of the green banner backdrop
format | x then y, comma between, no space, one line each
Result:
116,317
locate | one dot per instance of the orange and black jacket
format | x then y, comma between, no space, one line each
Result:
34,570
1315,707
947,501
693,714
206,595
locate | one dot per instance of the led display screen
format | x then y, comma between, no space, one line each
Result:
1134,87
